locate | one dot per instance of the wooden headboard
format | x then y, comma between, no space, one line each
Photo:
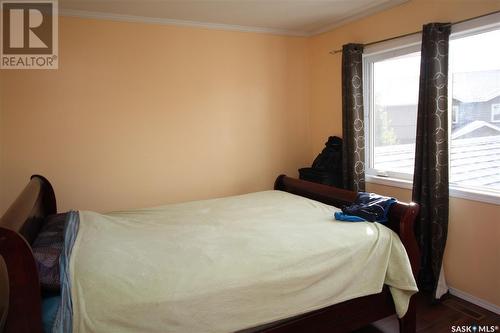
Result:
20,301
35,202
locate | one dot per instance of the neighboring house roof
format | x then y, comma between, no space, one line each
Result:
474,161
471,127
471,93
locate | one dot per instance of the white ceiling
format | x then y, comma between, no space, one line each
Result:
293,17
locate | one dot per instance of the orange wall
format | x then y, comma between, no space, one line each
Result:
473,250
140,115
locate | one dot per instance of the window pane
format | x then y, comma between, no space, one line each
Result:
395,83
475,92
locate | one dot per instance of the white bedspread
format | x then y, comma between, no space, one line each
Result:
227,264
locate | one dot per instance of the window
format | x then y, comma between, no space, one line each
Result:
474,83
392,117
495,113
391,95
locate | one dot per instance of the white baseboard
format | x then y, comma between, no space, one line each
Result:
475,300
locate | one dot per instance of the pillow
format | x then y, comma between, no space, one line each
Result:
47,249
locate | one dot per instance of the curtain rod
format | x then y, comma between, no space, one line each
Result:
417,32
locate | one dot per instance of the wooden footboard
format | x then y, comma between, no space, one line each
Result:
20,301
360,311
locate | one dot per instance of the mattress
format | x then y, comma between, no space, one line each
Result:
224,265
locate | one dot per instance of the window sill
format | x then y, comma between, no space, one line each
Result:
455,191
389,181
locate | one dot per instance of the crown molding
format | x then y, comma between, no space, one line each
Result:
174,22
356,16
230,27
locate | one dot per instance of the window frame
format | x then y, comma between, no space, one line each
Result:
495,108
407,45
369,59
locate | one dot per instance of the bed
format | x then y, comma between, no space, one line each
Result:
21,302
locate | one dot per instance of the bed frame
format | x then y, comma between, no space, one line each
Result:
20,297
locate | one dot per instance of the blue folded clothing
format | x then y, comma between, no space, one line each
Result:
367,207
347,218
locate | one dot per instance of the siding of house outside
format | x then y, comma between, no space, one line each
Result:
471,111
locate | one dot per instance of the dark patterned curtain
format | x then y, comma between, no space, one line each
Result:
430,179
353,131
